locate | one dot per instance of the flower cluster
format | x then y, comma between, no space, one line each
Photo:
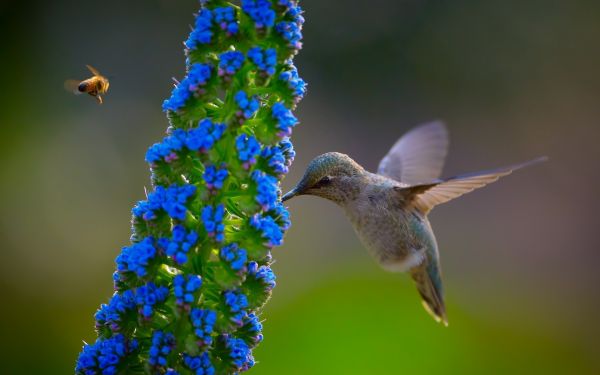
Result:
171,200
180,243
197,77
190,287
185,287
215,177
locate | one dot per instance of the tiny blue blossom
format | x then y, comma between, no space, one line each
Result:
267,190
180,243
268,228
201,365
213,221
172,200
202,33
162,345
225,18
260,11
253,328
168,148
135,258
264,59
275,159
285,119
198,76
248,149
185,287
239,352
281,216
203,322
237,302
296,84
110,314
263,274
215,177
287,148
104,355
203,137
147,296
235,256
292,32
247,106
230,62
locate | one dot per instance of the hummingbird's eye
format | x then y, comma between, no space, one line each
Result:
325,181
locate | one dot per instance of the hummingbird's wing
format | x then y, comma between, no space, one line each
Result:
418,156
425,197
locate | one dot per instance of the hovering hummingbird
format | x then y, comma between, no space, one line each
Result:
388,209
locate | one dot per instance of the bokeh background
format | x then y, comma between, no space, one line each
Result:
513,80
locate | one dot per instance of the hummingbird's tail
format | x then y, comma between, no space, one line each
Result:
429,284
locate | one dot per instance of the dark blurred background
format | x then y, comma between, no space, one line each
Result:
512,79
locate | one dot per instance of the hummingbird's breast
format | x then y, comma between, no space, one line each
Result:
391,234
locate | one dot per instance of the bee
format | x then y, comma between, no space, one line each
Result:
94,86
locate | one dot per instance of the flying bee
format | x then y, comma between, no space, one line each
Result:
94,86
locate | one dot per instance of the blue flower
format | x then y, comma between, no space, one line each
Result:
198,76
203,137
135,258
172,200
287,148
248,149
247,106
179,244
104,355
230,62
214,177
110,314
292,32
236,302
294,83
162,345
264,59
235,256
260,11
285,119
252,328
147,296
275,159
200,364
239,353
166,150
185,287
202,33
281,216
267,189
263,274
213,221
203,322
225,18
268,229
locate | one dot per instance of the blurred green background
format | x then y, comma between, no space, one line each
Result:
512,79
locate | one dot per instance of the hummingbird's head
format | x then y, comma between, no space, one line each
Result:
329,176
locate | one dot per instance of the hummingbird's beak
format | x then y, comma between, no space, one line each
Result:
290,194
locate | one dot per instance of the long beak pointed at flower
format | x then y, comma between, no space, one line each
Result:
290,194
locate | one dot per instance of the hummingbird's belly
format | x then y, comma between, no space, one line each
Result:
389,239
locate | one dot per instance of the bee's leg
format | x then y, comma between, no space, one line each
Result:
99,99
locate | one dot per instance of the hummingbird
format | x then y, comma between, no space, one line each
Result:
388,209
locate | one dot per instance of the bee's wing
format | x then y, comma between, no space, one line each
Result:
72,85
418,156
93,70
